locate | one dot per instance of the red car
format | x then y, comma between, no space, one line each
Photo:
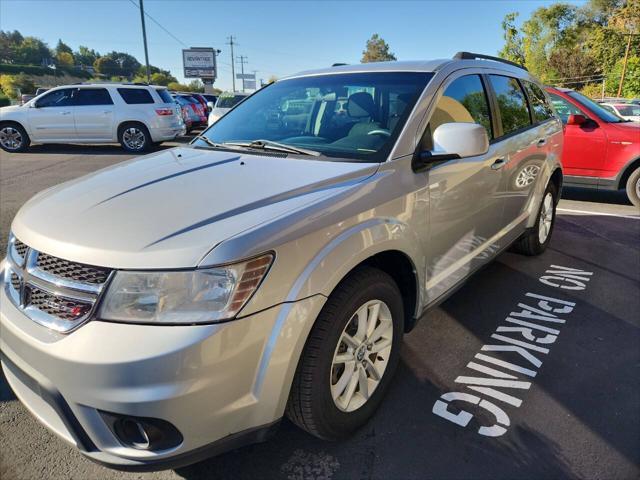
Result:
601,150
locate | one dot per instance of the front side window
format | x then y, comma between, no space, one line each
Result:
57,98
92,96
464,100
511,102
348,116
135,96
539,104
564,108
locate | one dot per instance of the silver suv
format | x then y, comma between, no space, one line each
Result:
134,115
176,305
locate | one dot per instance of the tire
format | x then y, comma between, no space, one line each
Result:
134,137
13,138
633,187
533,242
311,404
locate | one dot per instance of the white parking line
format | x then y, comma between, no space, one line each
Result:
587,212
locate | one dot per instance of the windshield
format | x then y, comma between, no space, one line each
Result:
602,113
355,116
229,101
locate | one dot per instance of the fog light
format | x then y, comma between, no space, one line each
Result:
143,433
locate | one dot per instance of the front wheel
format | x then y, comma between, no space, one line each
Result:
535,240
633,187
350,356
13,138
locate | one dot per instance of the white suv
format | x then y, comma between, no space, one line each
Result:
134,115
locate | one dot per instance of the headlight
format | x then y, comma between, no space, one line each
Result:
183,297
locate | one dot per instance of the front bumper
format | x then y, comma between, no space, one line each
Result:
219,385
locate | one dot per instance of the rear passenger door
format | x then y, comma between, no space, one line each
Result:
465,208
93,114
523,142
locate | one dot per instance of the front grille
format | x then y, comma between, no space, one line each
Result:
71,270
15,281
63,308
20,247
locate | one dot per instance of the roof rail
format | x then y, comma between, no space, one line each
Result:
474,56
338,64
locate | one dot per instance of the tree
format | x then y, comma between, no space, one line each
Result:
377,50
32,51
513,49
160,78
631,86
62,47
85,56
15,85
196,86
178,87
64,59
9,42
106,66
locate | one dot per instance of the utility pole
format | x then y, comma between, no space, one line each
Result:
624,63
233,69
242,60
144,38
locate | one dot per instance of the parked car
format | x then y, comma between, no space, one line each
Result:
225,102
628,111
197,114
189,115
25,97
41,90
211,100
601,150
188,300
203,102
136,116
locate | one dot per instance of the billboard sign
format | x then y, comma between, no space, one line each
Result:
199,63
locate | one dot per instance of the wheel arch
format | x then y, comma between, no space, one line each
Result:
557,179
627,171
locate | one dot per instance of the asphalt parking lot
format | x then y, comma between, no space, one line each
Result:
574,412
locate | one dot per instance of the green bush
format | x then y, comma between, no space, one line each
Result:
4,100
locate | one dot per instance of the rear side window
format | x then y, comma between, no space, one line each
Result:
93,96
511,102
135,96
538,101
164,95
464,100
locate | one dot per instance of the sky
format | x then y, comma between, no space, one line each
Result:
277,37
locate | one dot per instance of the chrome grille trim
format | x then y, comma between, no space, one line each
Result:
56,295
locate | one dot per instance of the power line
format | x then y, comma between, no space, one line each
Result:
160,25
233,68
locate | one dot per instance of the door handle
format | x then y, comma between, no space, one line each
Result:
542,142
65,113
498,164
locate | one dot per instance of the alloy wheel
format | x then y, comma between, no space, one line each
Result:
10,138
527,175
361,356
546,218
133,138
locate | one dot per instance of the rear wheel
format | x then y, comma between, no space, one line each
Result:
535,240
134,137
13,138
633,187
350,356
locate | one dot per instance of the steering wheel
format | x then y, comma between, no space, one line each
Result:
383,132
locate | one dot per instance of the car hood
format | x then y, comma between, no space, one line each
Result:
10,109
630,128
169,209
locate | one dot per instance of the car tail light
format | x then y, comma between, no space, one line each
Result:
164,111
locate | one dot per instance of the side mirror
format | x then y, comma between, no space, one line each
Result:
577,119
210,105
452,141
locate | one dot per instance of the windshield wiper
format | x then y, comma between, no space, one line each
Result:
269,145
213,144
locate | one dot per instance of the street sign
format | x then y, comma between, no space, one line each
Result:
245,76
250,84
199,62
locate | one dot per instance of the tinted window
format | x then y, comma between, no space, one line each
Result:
135,95
58,98
563,107
538,102
465,100
512,103
629,110
164,95
93,96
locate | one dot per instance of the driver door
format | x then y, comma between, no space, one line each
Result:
466,210
52,117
